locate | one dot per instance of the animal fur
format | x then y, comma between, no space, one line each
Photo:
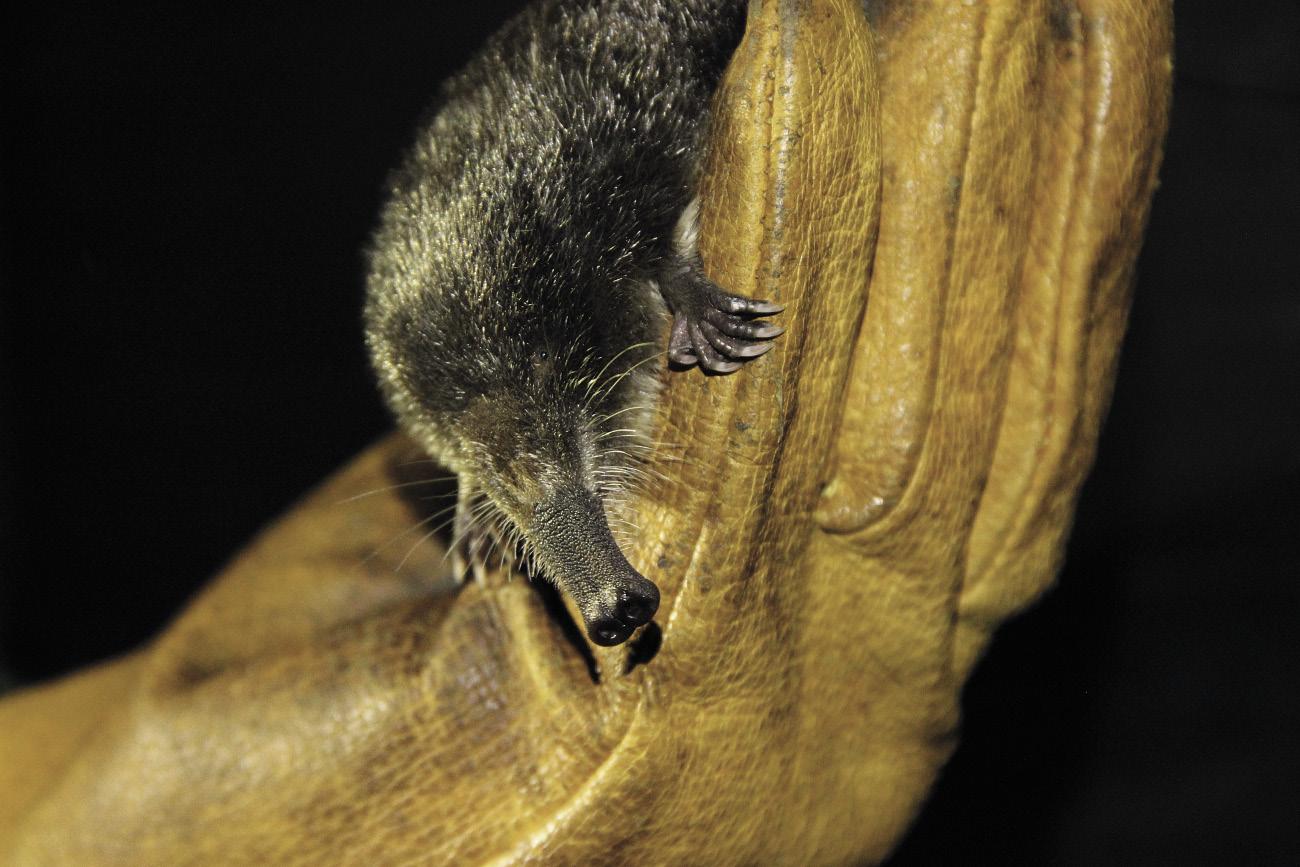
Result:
517,287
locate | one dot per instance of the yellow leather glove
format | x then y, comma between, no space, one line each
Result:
949,200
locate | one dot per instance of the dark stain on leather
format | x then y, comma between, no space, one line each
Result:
1064,20
888,16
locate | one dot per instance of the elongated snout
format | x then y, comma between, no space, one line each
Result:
572,537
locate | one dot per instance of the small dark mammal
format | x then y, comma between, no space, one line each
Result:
536,238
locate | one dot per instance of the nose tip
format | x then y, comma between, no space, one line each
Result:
636,607
633,607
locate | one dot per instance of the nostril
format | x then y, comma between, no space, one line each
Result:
638,606
608,632
635,612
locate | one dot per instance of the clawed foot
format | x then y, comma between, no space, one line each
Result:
711,327
474,545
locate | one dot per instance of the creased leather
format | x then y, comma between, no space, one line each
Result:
949,200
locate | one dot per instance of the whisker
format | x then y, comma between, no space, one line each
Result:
411,529
616,357
616,413
419,541
622,432
393,488
423,461
614,381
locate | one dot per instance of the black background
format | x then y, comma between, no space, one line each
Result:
186,192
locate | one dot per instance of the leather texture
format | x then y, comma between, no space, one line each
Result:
949,198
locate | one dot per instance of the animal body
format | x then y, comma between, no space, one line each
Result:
535,241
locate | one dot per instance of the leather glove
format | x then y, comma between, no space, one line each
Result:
949,198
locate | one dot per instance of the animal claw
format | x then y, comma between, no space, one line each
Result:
713,328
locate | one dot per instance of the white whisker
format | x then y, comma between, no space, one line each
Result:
393,488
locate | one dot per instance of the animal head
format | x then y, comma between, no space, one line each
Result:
542,400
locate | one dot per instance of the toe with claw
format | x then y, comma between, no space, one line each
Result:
713,328
474,546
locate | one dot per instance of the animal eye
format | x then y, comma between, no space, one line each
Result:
542,362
